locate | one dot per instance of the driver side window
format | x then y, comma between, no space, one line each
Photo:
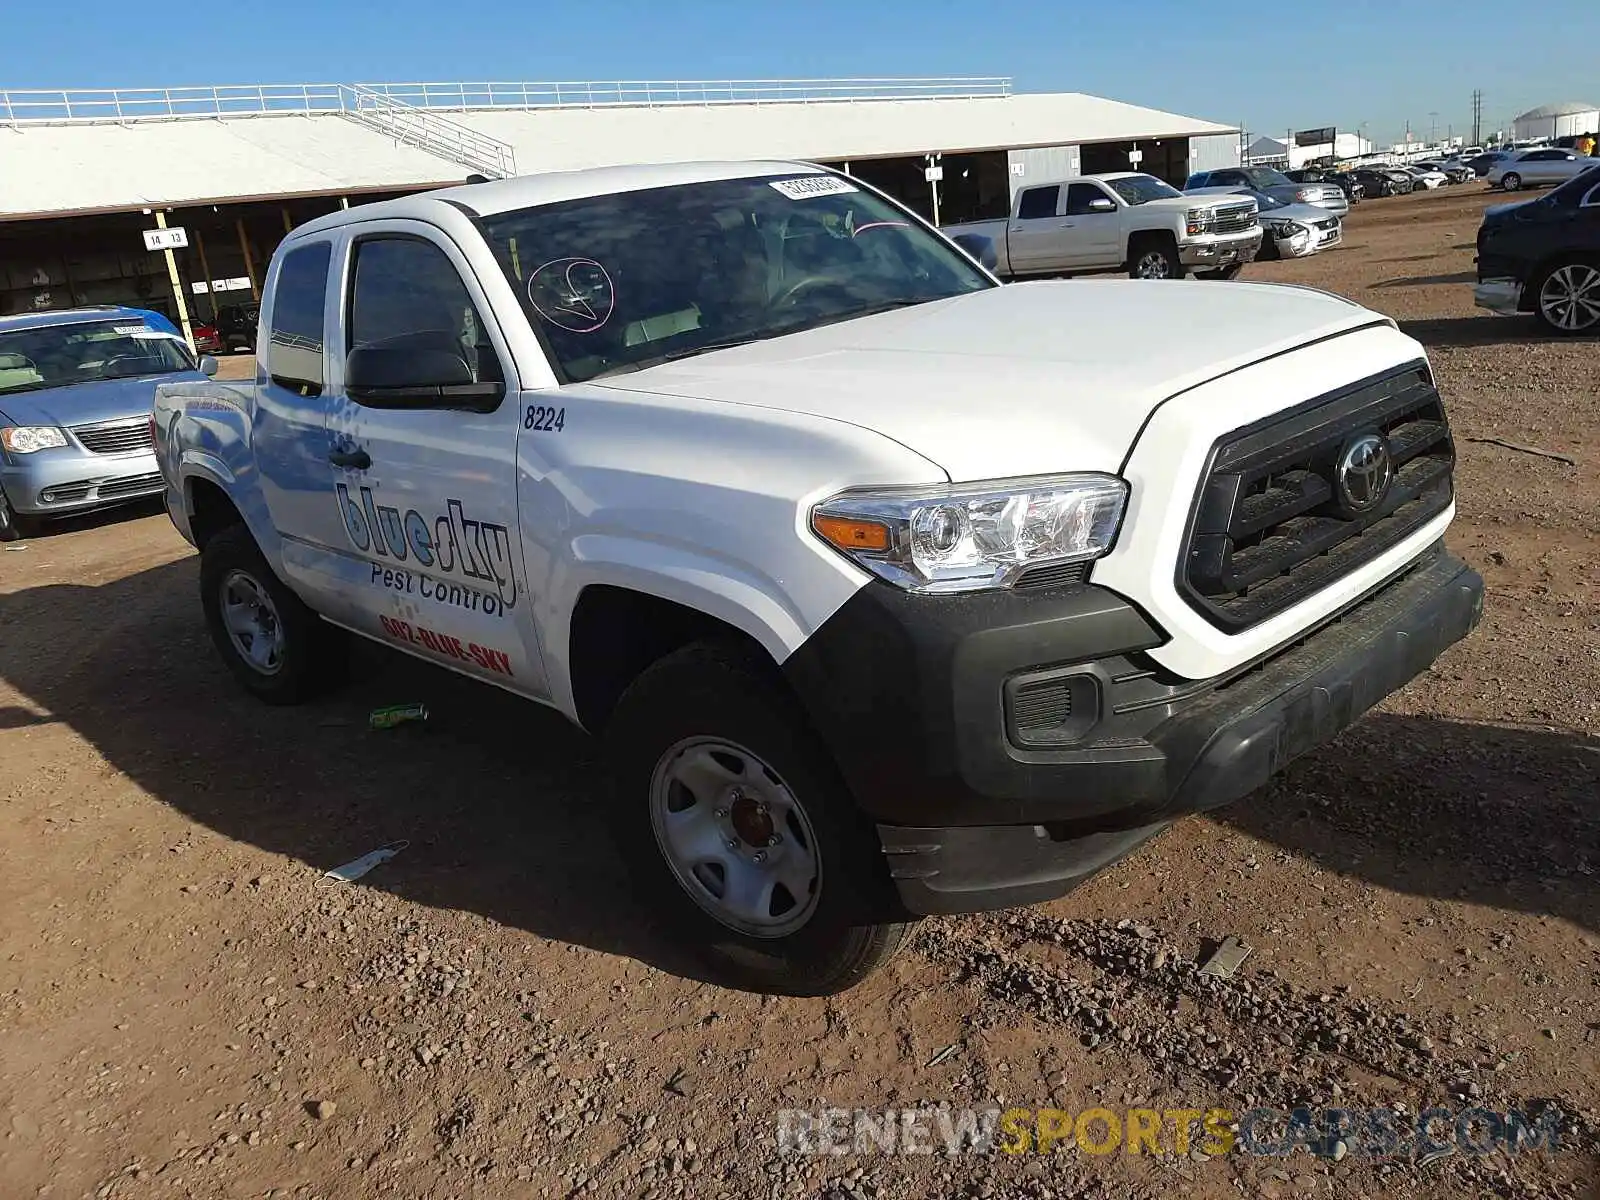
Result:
405,287
1080,196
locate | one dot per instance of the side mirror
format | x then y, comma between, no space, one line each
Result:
980,247
1101,204
418,370
207,365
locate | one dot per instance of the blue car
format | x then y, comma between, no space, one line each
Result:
76,392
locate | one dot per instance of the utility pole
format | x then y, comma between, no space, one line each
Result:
1477,116
1433,128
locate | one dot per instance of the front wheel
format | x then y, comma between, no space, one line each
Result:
14,527
740,831
1511,181
279,649
1155,258
1567,298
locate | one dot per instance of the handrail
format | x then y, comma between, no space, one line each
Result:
121,105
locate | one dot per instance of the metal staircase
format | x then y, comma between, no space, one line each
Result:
427,130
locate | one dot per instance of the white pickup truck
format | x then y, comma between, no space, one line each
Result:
1118,222
893,591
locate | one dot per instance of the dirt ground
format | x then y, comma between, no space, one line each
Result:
489,1015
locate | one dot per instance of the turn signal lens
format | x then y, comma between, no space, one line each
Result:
853,537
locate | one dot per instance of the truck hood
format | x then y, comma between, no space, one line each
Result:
85,403
1025,379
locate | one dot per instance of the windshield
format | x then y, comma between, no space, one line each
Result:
619,282
52,356
1141,189
1262,178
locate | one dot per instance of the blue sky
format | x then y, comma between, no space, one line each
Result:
1267,66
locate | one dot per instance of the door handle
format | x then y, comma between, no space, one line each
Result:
354,460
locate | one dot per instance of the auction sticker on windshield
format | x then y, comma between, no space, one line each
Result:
812,185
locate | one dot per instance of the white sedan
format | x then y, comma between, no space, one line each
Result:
1427,177
1545,165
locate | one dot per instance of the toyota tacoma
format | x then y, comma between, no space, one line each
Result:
891,590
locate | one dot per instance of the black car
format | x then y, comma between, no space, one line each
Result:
236,326
1344,180
1543,257
1375,181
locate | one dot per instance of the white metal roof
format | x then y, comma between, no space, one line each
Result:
129,162
1564,108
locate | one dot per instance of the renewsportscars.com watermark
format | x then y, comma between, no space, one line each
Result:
1214,1132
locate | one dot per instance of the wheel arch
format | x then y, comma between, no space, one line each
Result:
617,632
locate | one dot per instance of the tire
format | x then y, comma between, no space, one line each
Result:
1510,181
1154,258
14,527
713,714
1566,297
281,651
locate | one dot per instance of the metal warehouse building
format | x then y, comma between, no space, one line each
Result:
83,174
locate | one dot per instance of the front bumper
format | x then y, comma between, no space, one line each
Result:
1224,250
920,702
54,483
1503,296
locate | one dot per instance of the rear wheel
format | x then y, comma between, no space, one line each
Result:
1154,258
1567,297
740,832
14,527
1511,181
279,649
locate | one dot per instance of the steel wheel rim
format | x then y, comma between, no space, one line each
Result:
1570,297
735,837
1511,182
252,622
1153,265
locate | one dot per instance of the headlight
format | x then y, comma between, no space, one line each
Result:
970,536
1199,220
1289,231
25,439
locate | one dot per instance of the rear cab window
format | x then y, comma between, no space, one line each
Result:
297,337
1038,203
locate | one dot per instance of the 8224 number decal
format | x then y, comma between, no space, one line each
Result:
544,420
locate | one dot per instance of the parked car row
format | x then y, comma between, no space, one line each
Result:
1542,256
233,329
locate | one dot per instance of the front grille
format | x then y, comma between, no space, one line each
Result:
1271,525
132,486
115,437
1234,218
1330,223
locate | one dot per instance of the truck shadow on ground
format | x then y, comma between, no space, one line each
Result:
503,801
507,813
1505,816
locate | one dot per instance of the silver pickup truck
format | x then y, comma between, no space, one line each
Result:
1117,222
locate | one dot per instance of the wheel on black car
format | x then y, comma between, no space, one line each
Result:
1511,181
14,527
740,831
1566,296
279,649
1154,257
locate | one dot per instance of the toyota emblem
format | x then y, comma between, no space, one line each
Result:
1364,473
